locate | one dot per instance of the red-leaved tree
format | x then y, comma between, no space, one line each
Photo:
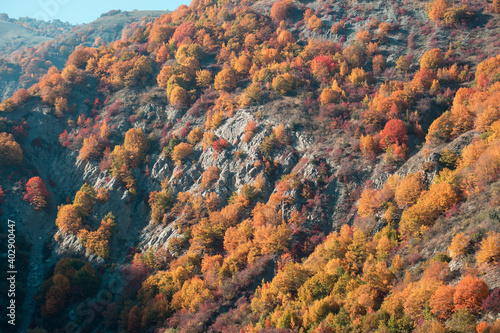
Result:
36,193
394,132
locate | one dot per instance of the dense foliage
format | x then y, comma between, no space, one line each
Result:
386,222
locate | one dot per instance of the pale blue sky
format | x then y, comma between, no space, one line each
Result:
80,11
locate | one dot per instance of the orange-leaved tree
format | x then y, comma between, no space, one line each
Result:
490,249
137,145
458,245
281,9
181,151
409,190
195,135
442,302
10,150
85,199
470,293
436,9
432,59
250,128
68,220
210,176
98,241
226,80
91,148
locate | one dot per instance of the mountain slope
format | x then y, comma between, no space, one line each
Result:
263,167
15,36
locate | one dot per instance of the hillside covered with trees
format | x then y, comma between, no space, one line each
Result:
259,166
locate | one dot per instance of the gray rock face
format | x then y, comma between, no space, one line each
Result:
66,173
157,236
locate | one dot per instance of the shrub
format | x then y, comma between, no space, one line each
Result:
492,303
250,128
219,145
462,321
322,67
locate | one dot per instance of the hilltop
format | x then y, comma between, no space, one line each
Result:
110,25
15,36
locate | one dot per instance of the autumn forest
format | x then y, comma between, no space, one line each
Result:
242,166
